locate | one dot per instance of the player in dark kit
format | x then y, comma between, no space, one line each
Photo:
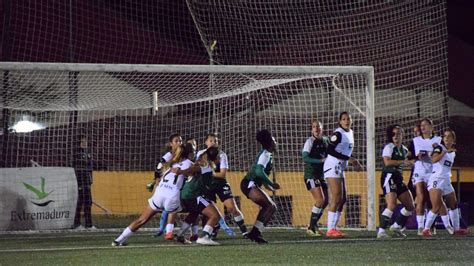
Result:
395,158
255,178
194,195
83,170
221,188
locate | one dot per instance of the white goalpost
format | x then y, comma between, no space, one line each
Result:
129,110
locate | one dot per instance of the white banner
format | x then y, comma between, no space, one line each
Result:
37,198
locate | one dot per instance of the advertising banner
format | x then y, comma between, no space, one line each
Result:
37,198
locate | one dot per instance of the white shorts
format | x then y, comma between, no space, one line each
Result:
161,202
334,168
443,184
421,173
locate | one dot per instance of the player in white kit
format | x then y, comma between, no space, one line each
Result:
439,187
167,194
174,142
339,154
423,147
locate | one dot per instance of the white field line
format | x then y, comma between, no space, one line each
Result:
233,244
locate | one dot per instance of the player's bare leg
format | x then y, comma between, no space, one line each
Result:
146,215
421,197
320,198
231,206
335,186
408,207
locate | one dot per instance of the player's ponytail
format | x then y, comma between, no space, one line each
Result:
177,154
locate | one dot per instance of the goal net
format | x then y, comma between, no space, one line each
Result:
405,42
128,112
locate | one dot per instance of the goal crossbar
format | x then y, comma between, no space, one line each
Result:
367,71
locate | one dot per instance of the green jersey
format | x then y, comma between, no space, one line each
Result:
197,185
314,151
395,153
264,160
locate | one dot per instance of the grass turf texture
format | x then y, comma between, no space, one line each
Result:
286,247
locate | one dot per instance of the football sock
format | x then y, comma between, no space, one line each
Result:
124,236
403,217
316,213
385,218
163,220
338,217
430,218
169,228
207,231
239,220
184,227
454,215
331,220
195,229
445,219
259,225
420,219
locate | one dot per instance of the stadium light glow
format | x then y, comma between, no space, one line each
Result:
25,126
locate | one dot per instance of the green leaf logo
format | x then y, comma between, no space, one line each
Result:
41,194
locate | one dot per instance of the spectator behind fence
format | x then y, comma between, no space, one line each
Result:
83,169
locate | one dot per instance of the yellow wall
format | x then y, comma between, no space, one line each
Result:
124,192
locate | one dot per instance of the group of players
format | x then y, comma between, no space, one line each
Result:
190,181
431,158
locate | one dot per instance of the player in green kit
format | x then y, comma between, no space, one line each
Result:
255,178
314,154
194,199
394,158
221,188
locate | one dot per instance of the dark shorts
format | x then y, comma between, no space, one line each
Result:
246,185
84,195
314,183
393,183
222,190
196,205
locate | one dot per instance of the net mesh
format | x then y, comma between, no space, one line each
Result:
404,41
126,132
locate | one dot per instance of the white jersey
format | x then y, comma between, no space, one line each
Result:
442,168
423,168
308,144
343,141
224,162
172,183
165,158
424,145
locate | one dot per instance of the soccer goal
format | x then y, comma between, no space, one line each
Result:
128,112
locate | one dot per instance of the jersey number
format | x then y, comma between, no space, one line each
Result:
166,180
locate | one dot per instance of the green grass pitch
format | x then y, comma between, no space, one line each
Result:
285,247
